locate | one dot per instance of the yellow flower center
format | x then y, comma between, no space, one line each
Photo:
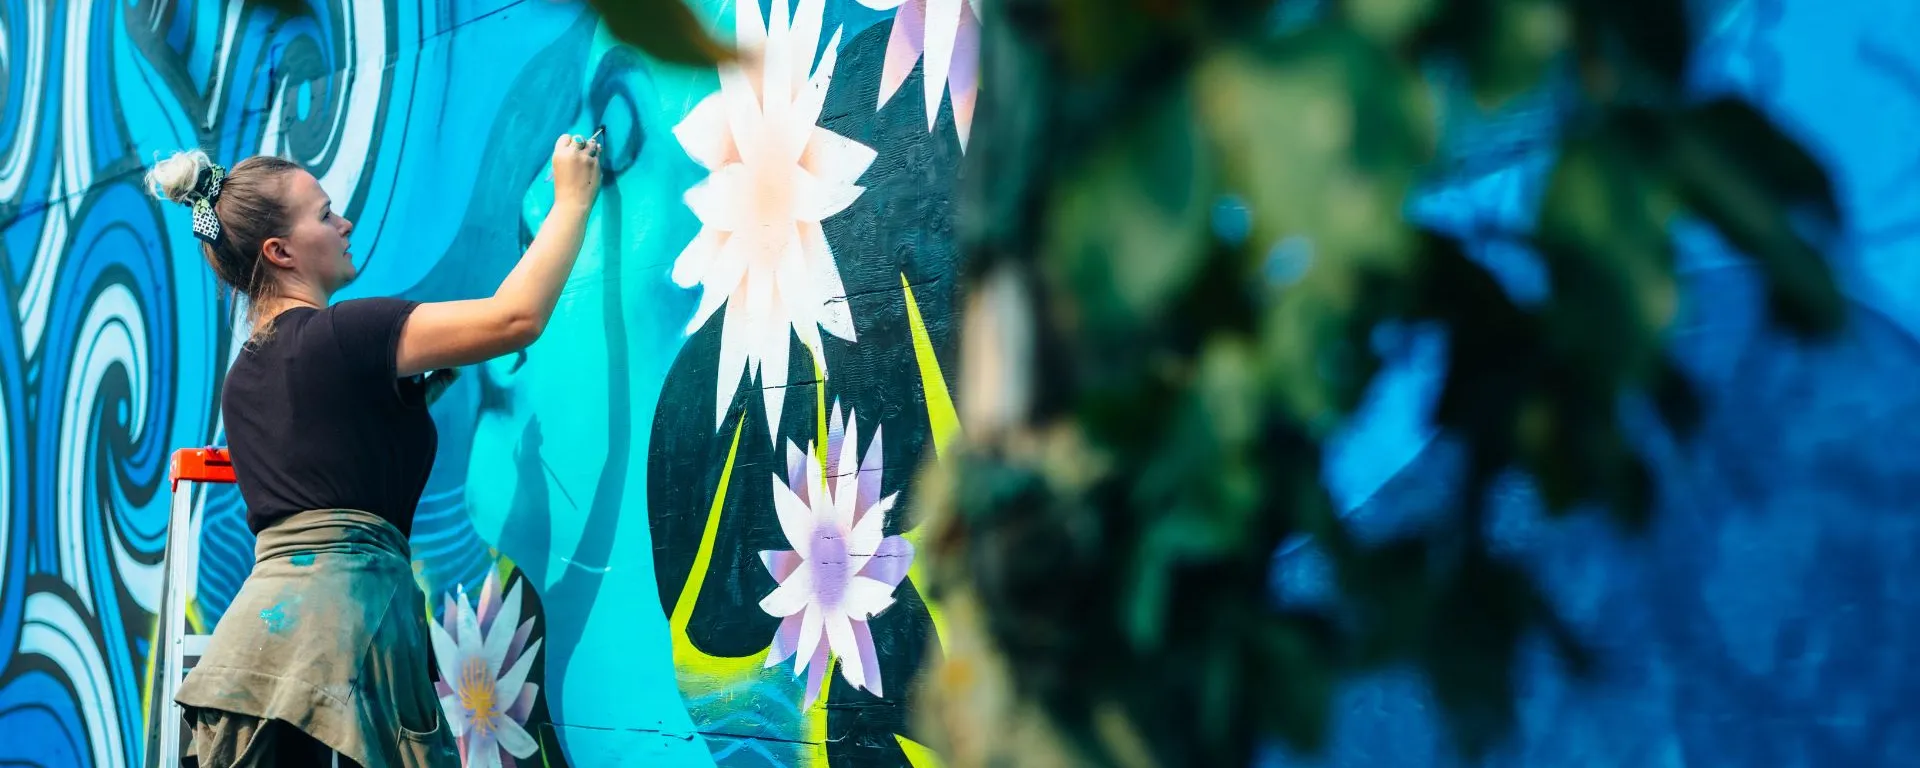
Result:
477,693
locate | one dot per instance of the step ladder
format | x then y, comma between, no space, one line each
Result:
167,732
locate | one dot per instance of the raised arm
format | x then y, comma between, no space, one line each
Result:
446,334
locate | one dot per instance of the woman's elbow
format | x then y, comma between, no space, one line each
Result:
521,330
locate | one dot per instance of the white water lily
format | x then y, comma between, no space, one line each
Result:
774,175
484,661
842,569
946,35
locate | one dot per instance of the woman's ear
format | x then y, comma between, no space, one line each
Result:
274,250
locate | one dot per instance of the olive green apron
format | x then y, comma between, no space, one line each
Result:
329,635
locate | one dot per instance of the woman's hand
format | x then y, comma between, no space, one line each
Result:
576,171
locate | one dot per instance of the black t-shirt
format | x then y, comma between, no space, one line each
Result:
316,418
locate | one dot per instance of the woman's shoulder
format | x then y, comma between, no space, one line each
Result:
370,304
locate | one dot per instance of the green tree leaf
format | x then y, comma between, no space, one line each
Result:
1738,171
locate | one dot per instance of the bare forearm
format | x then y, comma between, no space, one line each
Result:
532,289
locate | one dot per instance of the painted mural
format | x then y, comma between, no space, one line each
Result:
678,531
672,532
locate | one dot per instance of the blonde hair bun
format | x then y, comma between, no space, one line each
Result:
175,177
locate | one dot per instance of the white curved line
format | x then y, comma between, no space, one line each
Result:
13,173
355,129
54,630
113,333
222,63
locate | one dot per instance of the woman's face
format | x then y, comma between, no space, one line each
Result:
315,246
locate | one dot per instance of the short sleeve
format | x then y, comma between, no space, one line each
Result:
368,334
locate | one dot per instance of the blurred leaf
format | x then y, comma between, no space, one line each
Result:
1390,22
1632,34
1008,159
1131,221
1121,540
1291,680
1675,399
1736,169
1099,36
664,29
1489,606
1505,45
1321,134
1603,233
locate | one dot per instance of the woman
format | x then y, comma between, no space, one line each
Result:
325,647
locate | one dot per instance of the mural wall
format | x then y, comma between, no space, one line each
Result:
633,537
673,531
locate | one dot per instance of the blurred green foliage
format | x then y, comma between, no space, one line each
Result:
1119,531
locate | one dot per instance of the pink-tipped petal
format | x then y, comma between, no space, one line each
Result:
791,596
733,362
514,739
890,561
519,641
904,47
516,675
796,463
835,315
705,134
796,520
867,597
786,641
449,616
489,600
835,159
840,637
816,675
943,27
863,636
456,713
523,707
864,541
446,651
963,79
813,648
870,471
780,563
846,473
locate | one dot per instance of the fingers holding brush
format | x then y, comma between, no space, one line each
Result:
576,168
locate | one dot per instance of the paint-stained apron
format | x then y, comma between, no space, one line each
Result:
329,635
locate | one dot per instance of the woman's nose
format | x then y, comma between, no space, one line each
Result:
347,224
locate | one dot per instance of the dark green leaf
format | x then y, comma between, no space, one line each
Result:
1292,680
1637,34
1324,186
1130,222
1505,46
663,29
1736,169
1390,22
1603,233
